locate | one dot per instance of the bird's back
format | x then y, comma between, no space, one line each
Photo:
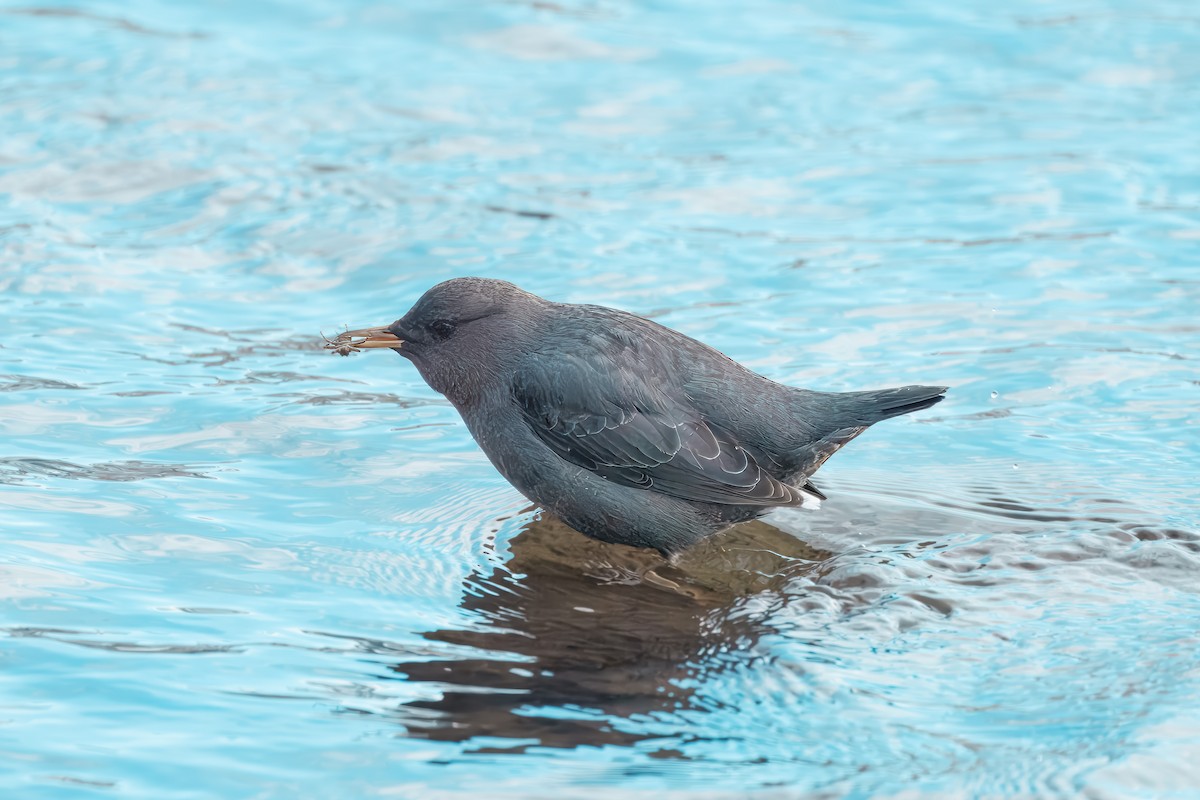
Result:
790,431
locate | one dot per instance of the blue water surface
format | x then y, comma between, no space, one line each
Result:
236,566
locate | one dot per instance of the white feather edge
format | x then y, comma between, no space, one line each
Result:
809,500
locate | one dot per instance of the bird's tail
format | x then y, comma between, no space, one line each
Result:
839,417
867,408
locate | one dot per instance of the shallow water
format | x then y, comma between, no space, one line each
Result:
236,566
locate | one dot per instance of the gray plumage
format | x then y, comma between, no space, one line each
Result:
629,431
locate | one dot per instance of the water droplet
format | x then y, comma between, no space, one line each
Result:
995,395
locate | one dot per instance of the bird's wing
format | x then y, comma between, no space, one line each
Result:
596,408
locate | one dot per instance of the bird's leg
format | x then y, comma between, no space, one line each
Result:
649,574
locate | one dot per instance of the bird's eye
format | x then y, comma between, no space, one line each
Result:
442,328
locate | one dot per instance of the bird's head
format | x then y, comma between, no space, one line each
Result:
460,334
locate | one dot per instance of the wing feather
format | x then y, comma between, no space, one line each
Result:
596,409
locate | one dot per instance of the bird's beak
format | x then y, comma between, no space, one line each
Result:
365,339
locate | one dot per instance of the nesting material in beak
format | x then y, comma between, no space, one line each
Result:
365,339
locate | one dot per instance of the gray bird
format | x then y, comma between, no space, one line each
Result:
628,431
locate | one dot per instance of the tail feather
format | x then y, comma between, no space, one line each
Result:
839,417
813,490
867,408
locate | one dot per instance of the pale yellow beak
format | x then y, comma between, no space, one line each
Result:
367,338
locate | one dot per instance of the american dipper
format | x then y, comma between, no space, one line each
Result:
628,431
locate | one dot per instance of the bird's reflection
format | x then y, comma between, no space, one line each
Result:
575,634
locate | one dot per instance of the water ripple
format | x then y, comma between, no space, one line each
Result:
998,599
19,470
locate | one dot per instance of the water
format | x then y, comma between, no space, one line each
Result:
236,566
